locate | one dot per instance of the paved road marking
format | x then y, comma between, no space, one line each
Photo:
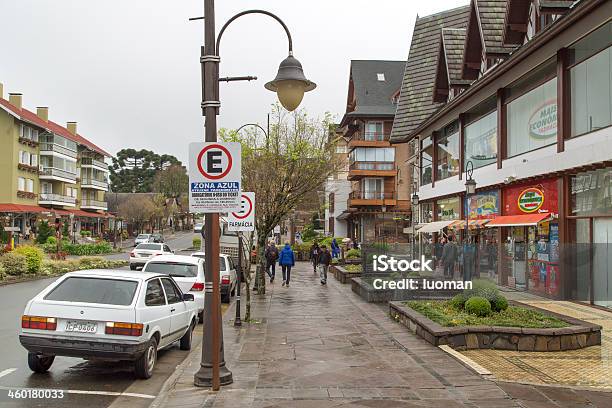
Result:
7,371
87,392
466,360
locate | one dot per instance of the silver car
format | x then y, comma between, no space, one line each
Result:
145,252
142,239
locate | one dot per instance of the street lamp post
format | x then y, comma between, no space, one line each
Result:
415,202
470,189
290,85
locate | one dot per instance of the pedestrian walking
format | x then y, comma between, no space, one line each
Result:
314,256
286,259
449,256
271,256
324,260
335,249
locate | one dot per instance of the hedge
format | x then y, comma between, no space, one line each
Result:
33,255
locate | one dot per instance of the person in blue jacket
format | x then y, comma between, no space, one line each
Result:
335,249
286,259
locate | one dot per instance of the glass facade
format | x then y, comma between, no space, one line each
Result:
532,119
591,193
481,140
448,209
427,148
373,154
448,152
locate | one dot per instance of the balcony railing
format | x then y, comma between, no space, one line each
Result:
53,172
93,182
369,165
57,198
52,147
88,203
371,195
371,136
87,161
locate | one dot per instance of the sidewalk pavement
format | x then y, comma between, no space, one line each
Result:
322,346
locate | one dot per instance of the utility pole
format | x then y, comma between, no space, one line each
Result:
237,321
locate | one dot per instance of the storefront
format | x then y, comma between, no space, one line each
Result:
529,233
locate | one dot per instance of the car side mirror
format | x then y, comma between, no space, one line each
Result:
188,297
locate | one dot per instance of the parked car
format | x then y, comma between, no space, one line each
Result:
227,271
107,315
187,272
144,252
158,238
197,228
142,239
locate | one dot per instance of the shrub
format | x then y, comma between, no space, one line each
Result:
482,288
478,306
2,272
51,241
44,232
14,264
196,243
458,301
353,253
33,255
499,304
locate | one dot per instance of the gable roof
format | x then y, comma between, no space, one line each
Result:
453,40
491,17
50,126
415,101
373,96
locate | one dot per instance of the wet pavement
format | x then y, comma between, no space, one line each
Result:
322,346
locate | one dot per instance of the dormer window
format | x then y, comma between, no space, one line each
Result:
380,76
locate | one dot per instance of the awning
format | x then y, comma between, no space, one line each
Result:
21,208
478,223
435,226
457,225
518,220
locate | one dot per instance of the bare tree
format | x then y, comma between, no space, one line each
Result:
283,169
137,209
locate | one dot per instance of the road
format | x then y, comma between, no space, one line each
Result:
87,384
178,242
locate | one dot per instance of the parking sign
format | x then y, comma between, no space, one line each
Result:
243,220
214,177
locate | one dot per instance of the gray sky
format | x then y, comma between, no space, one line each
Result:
128,70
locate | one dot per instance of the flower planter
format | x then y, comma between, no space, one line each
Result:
342,275
579,335
368,293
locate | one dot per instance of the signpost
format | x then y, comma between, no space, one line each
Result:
243,220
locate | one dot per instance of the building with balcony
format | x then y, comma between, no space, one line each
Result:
337,188
376,208
48,170
520,92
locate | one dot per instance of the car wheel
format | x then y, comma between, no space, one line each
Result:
186,339
145,363
201,317
38,363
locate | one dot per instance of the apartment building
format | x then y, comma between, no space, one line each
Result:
337,188
518,101
48,170
377,208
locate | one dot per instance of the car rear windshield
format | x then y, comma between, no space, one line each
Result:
176,269
141,236
221,261
94,290
149,246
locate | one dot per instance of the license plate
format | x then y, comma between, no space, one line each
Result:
81,326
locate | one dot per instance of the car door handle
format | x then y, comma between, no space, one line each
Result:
172,310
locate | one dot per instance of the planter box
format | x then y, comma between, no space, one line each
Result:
352,261
372,295
581,334
342,275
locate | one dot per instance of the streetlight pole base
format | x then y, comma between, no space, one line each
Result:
203,378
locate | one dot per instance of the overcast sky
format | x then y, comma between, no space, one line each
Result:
128,70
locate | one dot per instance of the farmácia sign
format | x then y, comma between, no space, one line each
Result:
530,200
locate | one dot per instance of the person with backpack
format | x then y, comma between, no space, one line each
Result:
314,256
325,258
449,256
271,256
335,249
286,259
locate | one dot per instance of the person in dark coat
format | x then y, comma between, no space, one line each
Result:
449,256
286,260
271,256
324,260
314,256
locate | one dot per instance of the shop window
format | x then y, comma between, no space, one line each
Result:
591,81
448,152
481,140
426,160
426,210
532,119
448,209
591,193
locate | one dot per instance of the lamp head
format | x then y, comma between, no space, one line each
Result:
290,83
470,186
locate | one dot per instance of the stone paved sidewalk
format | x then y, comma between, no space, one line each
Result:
322,346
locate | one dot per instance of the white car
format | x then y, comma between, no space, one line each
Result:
227,271
107,315
187,272
142,239
197,228
145,252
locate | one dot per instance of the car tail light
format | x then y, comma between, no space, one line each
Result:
123,329
225,280
198,286
132,254
38,322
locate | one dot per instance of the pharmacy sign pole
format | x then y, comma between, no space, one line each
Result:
290,85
